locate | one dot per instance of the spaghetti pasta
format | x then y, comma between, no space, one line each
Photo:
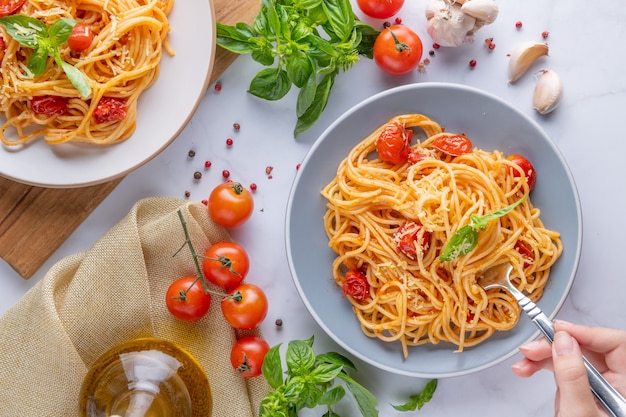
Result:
122,61
421,299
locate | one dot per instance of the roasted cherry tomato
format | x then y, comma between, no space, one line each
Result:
8,7
110,109
453,145
247,355
526,251
225,264
80,38
3,48
230,204
245,307
186,299
380,9
394,143
49,105
406,239
356,285
527,167
397,50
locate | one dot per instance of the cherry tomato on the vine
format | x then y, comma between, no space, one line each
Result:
356,285
397,50
526,166
225,264
186,300
245,307
380,9
247,355
393,143
80,38
453,145
230,204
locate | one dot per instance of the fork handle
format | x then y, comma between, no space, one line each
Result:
612,401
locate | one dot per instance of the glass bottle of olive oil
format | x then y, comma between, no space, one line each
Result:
146,377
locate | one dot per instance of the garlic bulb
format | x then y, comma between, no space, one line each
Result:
523,57
452,22
548,92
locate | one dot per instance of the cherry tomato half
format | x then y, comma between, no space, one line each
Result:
230,204
526,251
186,300
406,239
397,50
380,9
246,307
80,38
527,167
247,355
225,264
356,285
49,105
110,109
393,144
453,145
8,7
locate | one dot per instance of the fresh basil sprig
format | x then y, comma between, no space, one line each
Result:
309,381
34,34
417,401
287,36
466,238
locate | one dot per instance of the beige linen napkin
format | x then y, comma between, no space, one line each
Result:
111,293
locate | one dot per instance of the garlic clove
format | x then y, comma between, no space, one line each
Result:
523,57
548,92
483,10
447,25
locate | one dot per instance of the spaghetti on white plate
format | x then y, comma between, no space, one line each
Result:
388,224
119,64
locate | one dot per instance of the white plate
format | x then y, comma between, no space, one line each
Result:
491,124
163,111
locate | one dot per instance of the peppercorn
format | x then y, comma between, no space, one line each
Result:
191,153
279,322
197,175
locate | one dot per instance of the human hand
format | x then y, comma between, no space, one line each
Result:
605,348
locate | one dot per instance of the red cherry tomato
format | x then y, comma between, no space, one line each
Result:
526,251
397,50
225,264
247,355
380,9
110,109
393,144
8,7
230,204
406,239
453,145
80,38
356,285
527,167
246,307
49,105
186,300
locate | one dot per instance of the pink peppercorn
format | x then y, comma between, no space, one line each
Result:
225,173
253,187
218,87
229,142
207,164
472,63
518,24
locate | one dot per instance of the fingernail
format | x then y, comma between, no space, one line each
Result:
562,322
564,344
530,345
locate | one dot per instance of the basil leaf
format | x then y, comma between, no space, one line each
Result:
300,357
336,358
26,30
313,112
480,222
331,413
340,18
365,400
417,401
270,84
273,21
307,4
60,31
263,55
332,396
37,61
461,243
76,77
298,68
368,37
272,367
235,38
325,372
306,94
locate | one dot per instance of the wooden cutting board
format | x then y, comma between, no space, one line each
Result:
35,221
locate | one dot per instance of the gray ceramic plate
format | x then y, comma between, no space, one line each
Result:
491,123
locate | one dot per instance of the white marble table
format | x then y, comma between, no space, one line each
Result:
585,49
